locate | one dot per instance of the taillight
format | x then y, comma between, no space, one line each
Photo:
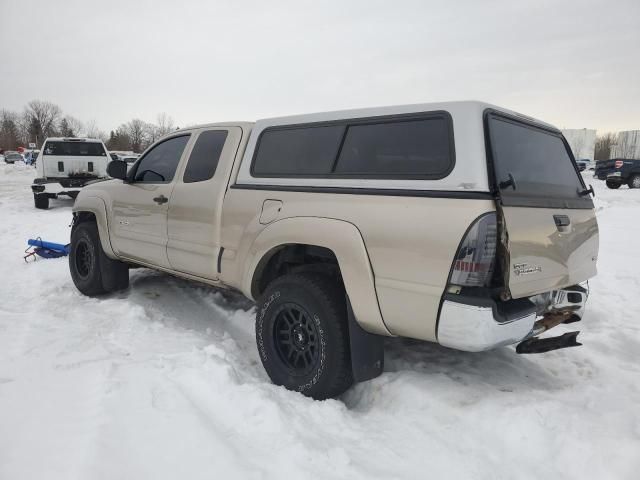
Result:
475,259
619,163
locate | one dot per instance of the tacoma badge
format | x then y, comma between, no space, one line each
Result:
525,268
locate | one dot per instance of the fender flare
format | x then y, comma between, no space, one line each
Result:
345,241
97,207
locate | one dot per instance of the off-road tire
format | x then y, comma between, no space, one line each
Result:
94,273
41,201
613,185
323,301
634,181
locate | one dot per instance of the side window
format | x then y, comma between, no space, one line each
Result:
414,146
160,163
406,148
297,151
205,156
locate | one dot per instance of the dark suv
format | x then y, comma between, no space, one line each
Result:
622,171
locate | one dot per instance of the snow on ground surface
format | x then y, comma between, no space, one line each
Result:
164,381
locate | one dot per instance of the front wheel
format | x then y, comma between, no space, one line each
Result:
302,335
634,182
613,185
92,272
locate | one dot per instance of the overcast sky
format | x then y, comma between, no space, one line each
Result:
574,64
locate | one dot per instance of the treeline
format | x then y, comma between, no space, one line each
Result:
40,119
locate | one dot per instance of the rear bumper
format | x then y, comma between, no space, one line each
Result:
615,177
475,325
59,186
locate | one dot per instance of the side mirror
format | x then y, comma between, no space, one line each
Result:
117,169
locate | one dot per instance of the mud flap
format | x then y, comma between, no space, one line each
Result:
542,345
367,350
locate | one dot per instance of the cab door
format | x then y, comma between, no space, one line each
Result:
139,224
195,210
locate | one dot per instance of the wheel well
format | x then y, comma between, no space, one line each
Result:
293,258
80,217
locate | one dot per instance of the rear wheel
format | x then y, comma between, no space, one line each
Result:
94,273
41,200
634,182
613,185
302,335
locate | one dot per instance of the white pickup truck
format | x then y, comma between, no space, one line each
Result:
65,165
459,223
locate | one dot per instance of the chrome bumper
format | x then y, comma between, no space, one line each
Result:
54,188
475,328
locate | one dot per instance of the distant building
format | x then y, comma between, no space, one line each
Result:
582,142
627,145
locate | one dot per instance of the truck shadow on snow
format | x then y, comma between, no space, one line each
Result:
186,305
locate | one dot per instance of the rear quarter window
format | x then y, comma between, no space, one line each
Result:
205,155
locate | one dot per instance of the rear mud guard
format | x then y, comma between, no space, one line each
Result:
367,350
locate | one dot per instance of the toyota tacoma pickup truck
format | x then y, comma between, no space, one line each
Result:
459,223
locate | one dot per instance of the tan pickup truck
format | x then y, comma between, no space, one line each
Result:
459,223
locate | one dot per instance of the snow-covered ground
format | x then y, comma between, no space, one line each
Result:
164,381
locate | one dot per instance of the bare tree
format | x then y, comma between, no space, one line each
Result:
138,132
119,139
627,144
40,119
70,126
604,145
164,124
91,130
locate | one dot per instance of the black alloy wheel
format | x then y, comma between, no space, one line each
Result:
296,339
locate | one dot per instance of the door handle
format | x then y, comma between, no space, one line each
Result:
561,220
161,199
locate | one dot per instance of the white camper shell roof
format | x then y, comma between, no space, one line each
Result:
469,173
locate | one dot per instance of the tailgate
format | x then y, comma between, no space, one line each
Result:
549,248
67,166
73,157
603,167
550,231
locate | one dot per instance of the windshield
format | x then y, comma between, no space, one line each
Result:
75,149
533,166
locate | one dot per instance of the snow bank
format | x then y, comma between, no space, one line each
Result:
164,381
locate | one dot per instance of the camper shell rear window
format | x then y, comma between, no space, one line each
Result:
74,149
532,165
